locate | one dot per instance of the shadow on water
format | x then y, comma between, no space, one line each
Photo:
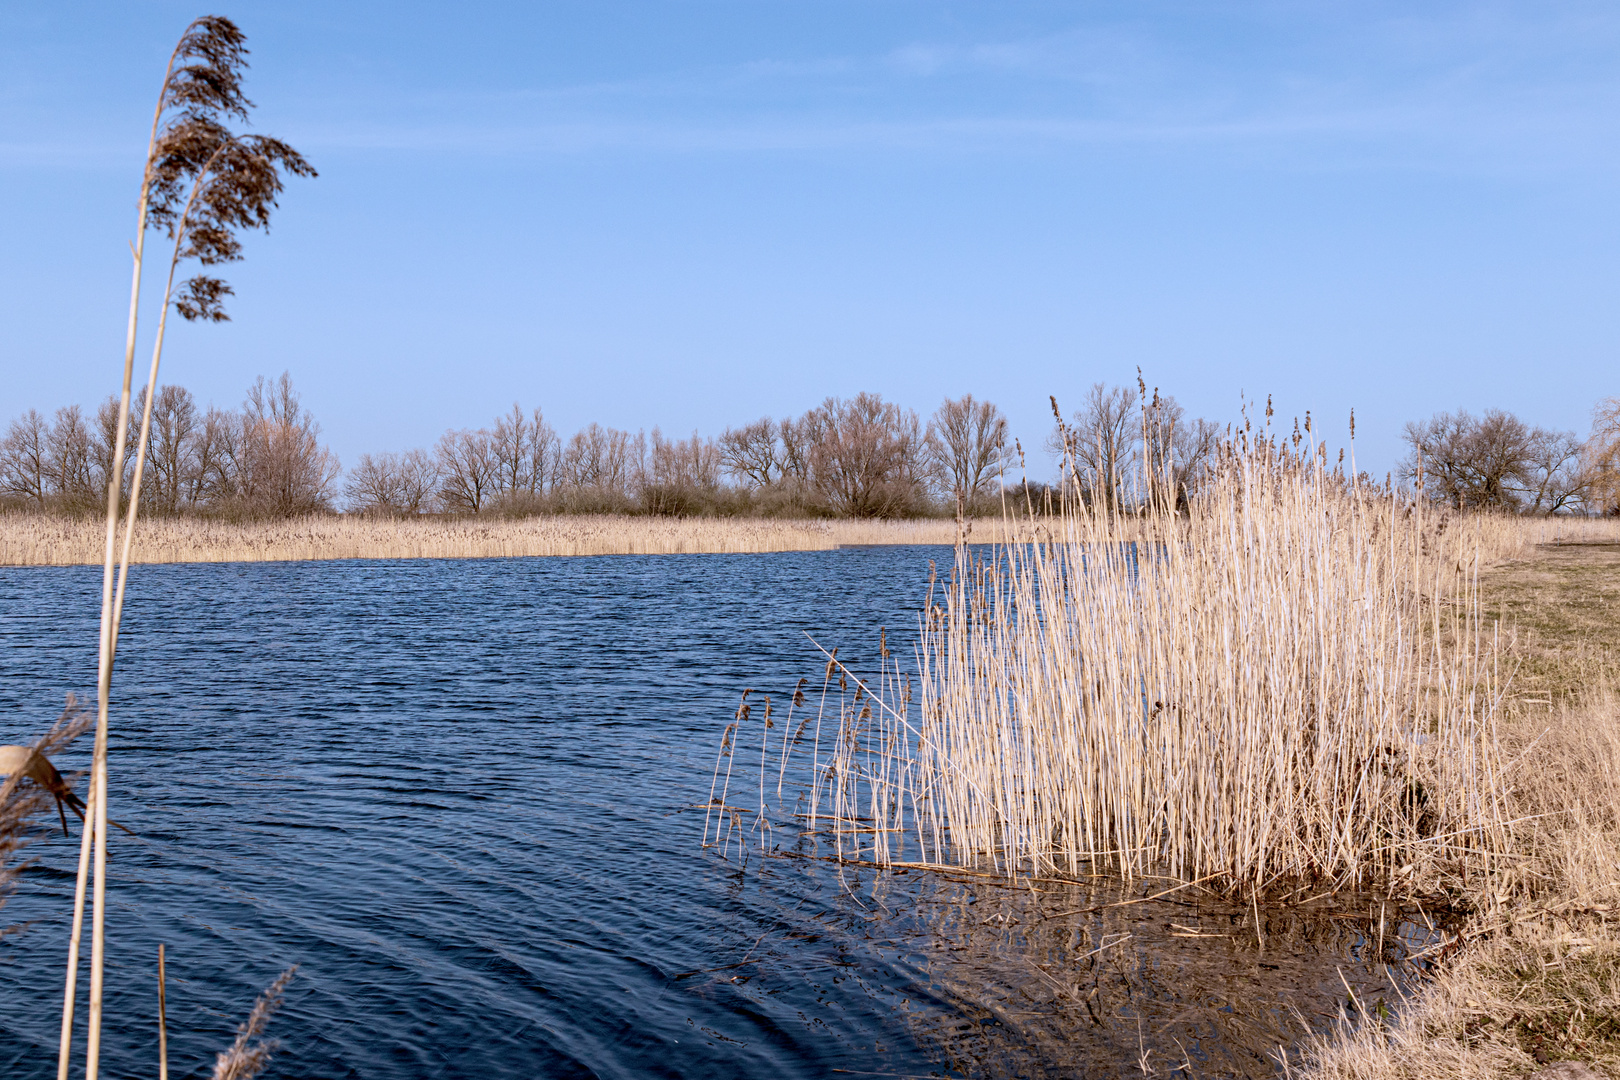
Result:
459,795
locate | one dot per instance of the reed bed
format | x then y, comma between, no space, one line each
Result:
1290,686
42,540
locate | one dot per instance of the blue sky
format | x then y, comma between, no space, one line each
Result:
693,214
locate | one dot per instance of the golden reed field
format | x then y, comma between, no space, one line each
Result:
43,540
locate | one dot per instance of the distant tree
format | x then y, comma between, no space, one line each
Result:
393,484
510,442
869,459
469,470
545,454
1471,462
526,451
1554,480
967,446
172,455
25,459
1100,444
72,475
1600,459
1179,450
798,439
216,453
108,443
681,474
752,453
603,461
282,469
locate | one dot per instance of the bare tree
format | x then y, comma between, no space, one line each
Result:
72,475
105,444
282,469
1600,460
545,454
25,459
869,459
173,450
216,452
603,461
1178,450
680,473
1099,445
1554,479
469,470
798,439
967,444
752,453
1469,462
510,443
526,452
393,483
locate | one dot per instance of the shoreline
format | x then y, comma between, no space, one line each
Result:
46,540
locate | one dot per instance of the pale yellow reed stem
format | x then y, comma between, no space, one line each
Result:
71,992
163,1024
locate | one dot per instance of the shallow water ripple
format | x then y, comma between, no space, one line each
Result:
458,795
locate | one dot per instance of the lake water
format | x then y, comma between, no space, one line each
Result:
460,795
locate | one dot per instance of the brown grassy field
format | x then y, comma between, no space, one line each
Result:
1535,977
39,540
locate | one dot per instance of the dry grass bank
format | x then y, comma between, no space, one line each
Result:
40,540
1535,977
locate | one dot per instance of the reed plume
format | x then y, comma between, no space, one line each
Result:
250,1053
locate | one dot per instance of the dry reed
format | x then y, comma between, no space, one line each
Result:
1291,685
250,1053
40,540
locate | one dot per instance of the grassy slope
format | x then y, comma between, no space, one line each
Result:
1564,605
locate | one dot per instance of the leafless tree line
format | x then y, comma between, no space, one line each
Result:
262,460
859,456
1496,461
1123,447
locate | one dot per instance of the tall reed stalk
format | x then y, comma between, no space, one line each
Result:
201,183
1289,685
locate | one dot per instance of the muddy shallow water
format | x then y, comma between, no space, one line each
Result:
461,796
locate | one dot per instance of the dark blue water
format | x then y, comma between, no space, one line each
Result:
460,796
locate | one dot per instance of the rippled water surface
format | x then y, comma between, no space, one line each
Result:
460,796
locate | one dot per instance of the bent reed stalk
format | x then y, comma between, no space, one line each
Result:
1290,685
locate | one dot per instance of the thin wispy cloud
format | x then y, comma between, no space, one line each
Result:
1480,88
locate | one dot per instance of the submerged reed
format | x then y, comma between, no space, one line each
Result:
1288,685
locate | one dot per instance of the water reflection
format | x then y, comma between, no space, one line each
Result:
1050,978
